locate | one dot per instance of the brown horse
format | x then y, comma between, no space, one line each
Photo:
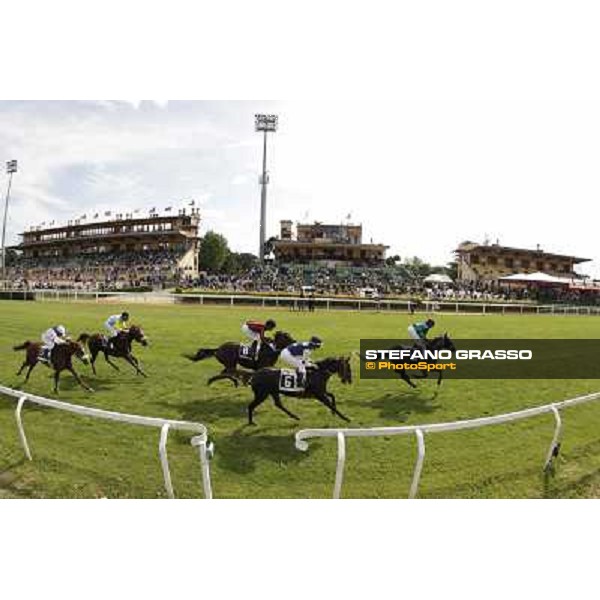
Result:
119,348
267,382
60,358
230,356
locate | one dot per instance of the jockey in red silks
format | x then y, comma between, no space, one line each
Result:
255,330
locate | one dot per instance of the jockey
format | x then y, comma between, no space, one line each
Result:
51,337
297,355
116,324
255,330
418,332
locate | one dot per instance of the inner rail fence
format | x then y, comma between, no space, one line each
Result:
199,441
419,432
296,303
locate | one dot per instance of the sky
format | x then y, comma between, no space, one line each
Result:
463,156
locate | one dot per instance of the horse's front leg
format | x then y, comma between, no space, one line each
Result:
323,398
56,378
133,362
79,381
22,367
440,373
406,378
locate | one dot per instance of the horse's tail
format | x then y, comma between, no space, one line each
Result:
202,354
22,346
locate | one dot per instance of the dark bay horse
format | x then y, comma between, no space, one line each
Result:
230,356
442,342
120,347
61,358
266,382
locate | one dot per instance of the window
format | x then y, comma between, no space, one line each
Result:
509,262
525,264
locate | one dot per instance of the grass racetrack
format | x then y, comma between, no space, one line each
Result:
85,458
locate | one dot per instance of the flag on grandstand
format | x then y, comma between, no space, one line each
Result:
168,208
193,203
107,213
137,210
96,216
83,217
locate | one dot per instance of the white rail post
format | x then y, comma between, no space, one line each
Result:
164,459
341,461
203,453
414,488
22,436
555,445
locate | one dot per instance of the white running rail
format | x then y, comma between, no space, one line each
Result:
199,441
419,432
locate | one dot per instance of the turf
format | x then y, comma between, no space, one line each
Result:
84,458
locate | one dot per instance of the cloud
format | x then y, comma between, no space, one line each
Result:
422,172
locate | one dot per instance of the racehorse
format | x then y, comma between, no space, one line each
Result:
60,358
230,356
442,342
266,382
120,348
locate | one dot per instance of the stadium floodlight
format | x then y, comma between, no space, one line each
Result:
11,168
266,124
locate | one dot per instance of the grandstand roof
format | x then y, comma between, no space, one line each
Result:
498,249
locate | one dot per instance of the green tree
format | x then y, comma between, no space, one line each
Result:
213,252
239,262
417,267
452,270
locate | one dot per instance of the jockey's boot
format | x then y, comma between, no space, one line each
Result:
44,357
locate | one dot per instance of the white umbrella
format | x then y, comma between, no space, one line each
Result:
437,278
538,277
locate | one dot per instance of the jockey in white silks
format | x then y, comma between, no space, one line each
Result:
51,337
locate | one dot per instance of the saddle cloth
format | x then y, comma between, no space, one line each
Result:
246,351
288,381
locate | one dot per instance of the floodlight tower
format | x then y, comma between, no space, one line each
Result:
11,167
266,124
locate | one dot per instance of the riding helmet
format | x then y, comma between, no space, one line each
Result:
270,324
430,323
125,316
60,330
316,341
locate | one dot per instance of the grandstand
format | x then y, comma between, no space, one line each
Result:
124,252
330,245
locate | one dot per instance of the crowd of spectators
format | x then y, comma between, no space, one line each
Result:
385,282
104,271
159,269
